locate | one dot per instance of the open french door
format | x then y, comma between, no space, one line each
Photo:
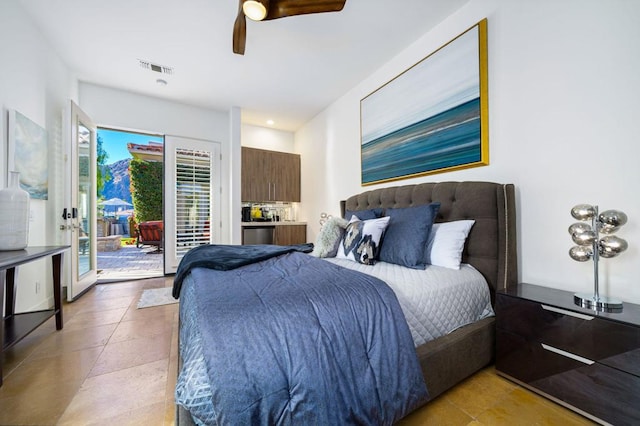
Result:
192,197
80,213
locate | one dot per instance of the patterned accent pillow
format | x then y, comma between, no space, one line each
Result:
361,240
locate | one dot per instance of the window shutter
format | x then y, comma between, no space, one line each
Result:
193,199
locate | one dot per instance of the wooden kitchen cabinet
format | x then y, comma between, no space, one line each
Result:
270,176
253,184
285,176
285,235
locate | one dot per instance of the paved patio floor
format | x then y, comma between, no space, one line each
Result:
130,263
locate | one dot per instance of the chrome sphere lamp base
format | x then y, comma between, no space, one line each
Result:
600,304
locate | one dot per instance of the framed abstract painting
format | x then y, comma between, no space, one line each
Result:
29,155
432,118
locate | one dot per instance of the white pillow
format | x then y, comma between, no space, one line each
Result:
446,243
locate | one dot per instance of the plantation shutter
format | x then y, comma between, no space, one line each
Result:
192,194
193,199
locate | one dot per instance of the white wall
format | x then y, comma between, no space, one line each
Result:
125,110
266,138
563,106
35,82
235,175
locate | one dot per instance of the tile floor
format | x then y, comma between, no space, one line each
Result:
114,364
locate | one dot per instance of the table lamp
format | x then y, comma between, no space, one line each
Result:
589,245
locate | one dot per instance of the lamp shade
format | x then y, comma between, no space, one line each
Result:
612,220
584,238
579,228
583,212
611,246
255,9
581,253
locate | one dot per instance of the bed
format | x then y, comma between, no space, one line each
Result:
450,356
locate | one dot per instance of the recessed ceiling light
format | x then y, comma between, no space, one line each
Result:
270,122
161,82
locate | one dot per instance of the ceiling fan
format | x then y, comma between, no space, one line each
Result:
263,10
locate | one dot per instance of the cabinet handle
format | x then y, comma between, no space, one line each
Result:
568,354
565,312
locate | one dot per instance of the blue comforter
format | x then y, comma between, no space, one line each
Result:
296,340
225,257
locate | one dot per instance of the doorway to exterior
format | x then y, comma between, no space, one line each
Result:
130,223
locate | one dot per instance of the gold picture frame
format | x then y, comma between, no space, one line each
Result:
433,117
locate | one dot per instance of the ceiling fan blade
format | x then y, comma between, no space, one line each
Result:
281,9
240,32
284,8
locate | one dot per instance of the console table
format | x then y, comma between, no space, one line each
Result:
585,360
17,326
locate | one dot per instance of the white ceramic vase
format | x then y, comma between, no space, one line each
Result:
14,215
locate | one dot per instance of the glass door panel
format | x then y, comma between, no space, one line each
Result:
83,203
83,230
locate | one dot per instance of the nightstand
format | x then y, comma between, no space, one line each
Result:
585,360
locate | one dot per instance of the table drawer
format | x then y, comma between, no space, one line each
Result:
528,361
607,393
627,361
585,335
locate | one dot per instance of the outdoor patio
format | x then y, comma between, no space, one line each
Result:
130,263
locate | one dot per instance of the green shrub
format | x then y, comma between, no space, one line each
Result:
146,189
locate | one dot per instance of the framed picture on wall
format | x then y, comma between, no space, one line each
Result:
433,117
28,155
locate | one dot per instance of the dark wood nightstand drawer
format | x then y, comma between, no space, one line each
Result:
527,360
628,361
587,360
586,335
607,393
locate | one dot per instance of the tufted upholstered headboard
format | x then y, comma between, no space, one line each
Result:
491,245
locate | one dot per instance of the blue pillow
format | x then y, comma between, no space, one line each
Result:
363,214
407,236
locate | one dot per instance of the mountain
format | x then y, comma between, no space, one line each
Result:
118,186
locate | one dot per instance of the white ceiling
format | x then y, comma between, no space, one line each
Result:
292,69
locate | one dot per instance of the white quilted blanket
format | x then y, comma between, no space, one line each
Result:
435,301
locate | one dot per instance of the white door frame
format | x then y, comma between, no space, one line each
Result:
74,206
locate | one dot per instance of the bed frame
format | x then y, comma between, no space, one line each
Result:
491,248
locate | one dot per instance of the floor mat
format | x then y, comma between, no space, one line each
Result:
156,297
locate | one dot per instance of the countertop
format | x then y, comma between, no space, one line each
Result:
280,223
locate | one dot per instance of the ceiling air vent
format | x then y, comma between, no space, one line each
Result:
155,67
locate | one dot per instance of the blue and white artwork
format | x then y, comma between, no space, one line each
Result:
29,155
428,119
